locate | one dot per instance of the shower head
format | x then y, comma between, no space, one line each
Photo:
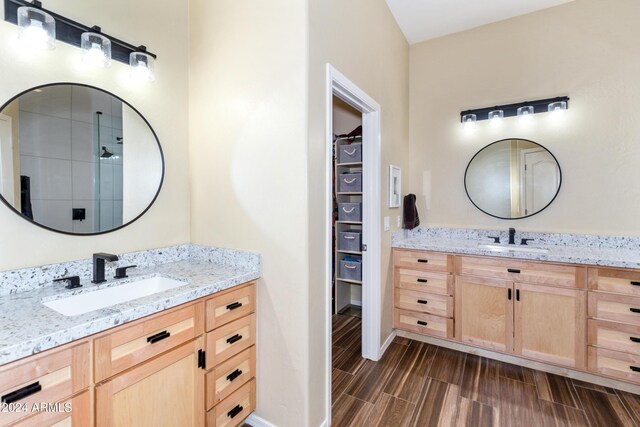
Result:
105,153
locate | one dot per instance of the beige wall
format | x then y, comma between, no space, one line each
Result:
587,50
361,39
248,133
164,103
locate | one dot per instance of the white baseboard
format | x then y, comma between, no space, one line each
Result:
356,303
256,421
387,343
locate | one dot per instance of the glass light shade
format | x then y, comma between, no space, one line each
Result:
496,114
469,118
557,106
142,66
96,49
525,111
37,28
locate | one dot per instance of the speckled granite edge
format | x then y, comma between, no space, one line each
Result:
28,279
573,249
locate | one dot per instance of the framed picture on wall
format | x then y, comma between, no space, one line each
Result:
395,186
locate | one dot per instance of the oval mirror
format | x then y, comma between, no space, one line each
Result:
77,159
513,179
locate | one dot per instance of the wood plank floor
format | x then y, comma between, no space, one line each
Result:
420,385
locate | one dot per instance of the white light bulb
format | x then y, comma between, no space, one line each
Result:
95,56
141,71
35,36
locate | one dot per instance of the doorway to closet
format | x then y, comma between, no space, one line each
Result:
353,228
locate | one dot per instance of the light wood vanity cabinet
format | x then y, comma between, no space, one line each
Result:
192,365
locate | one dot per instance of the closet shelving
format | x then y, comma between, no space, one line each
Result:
343,285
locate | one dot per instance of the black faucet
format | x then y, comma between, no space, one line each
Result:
98,265
512,236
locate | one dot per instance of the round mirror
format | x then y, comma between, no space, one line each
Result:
513,179
77,159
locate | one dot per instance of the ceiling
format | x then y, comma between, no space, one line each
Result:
427,19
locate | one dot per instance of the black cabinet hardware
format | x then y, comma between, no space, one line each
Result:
513,270
424,261
525,241
496,239
235,305
634,283
235,411
634,339
634,368
121,272
634,310
233,375
74,282
421,323
235,338
422,280
517,294
202,359
509,294
158,337
21,393
421,301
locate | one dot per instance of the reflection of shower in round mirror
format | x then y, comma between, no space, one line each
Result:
64,152
513,179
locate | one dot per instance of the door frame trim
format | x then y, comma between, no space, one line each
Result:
340,86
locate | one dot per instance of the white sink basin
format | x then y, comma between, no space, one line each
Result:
90,301
502,248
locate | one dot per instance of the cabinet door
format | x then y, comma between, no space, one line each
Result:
165,391
550,324
484,312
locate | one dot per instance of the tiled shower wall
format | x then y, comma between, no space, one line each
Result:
60,152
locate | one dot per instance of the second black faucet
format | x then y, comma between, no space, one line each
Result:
98,265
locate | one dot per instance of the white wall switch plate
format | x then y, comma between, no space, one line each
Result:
387,223
398,221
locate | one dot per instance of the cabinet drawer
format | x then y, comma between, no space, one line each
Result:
618,281
422,260
614,336
424,281
74,412
145,339
619,308
438,305
615,364
47,378
230,306
234,409
230,339
228,376
425,324
523,271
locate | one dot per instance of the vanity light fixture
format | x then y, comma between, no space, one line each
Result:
519,109
37,28
44,27
142,65
469,120
96,48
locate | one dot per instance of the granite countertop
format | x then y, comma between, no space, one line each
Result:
572,249
29,327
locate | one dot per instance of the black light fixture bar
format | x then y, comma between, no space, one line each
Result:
511,110
70,31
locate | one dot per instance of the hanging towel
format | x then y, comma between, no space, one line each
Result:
411,218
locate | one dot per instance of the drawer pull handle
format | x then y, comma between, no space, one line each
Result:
233,339
422,280
424,261
233,375
158,337
634,310
509,294
202,359
235,305
421,323
635,283
634,368
235,411
21,393
634,339
421,301
513,270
